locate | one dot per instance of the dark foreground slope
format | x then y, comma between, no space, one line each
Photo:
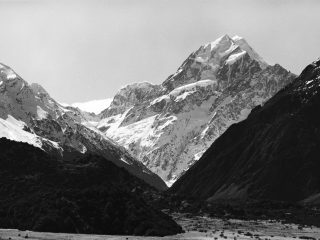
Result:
87,195
272,155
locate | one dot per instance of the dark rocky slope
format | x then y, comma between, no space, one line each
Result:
272,155
85,195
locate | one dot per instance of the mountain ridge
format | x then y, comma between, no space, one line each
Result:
29,114
273,154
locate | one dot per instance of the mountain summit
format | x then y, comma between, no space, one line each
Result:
206,62
169,126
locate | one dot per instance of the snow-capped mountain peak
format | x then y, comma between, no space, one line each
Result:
222,41
169,126
211,58
226,45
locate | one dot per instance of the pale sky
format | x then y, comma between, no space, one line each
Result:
84,50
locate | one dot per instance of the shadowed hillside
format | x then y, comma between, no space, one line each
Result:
86,195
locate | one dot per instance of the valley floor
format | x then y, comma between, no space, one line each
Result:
197,228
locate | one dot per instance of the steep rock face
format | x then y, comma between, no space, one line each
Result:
168,127
274,154
131,95
29,114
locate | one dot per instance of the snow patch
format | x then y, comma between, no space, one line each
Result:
12,129
184,95
192,86
234,57
124,160
159,99
11,75
309,82
42,114
84,149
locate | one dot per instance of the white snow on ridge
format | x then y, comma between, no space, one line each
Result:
192,86
124,160
12,129
225,45
95,106
242,43
234,57
159,99
180,93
